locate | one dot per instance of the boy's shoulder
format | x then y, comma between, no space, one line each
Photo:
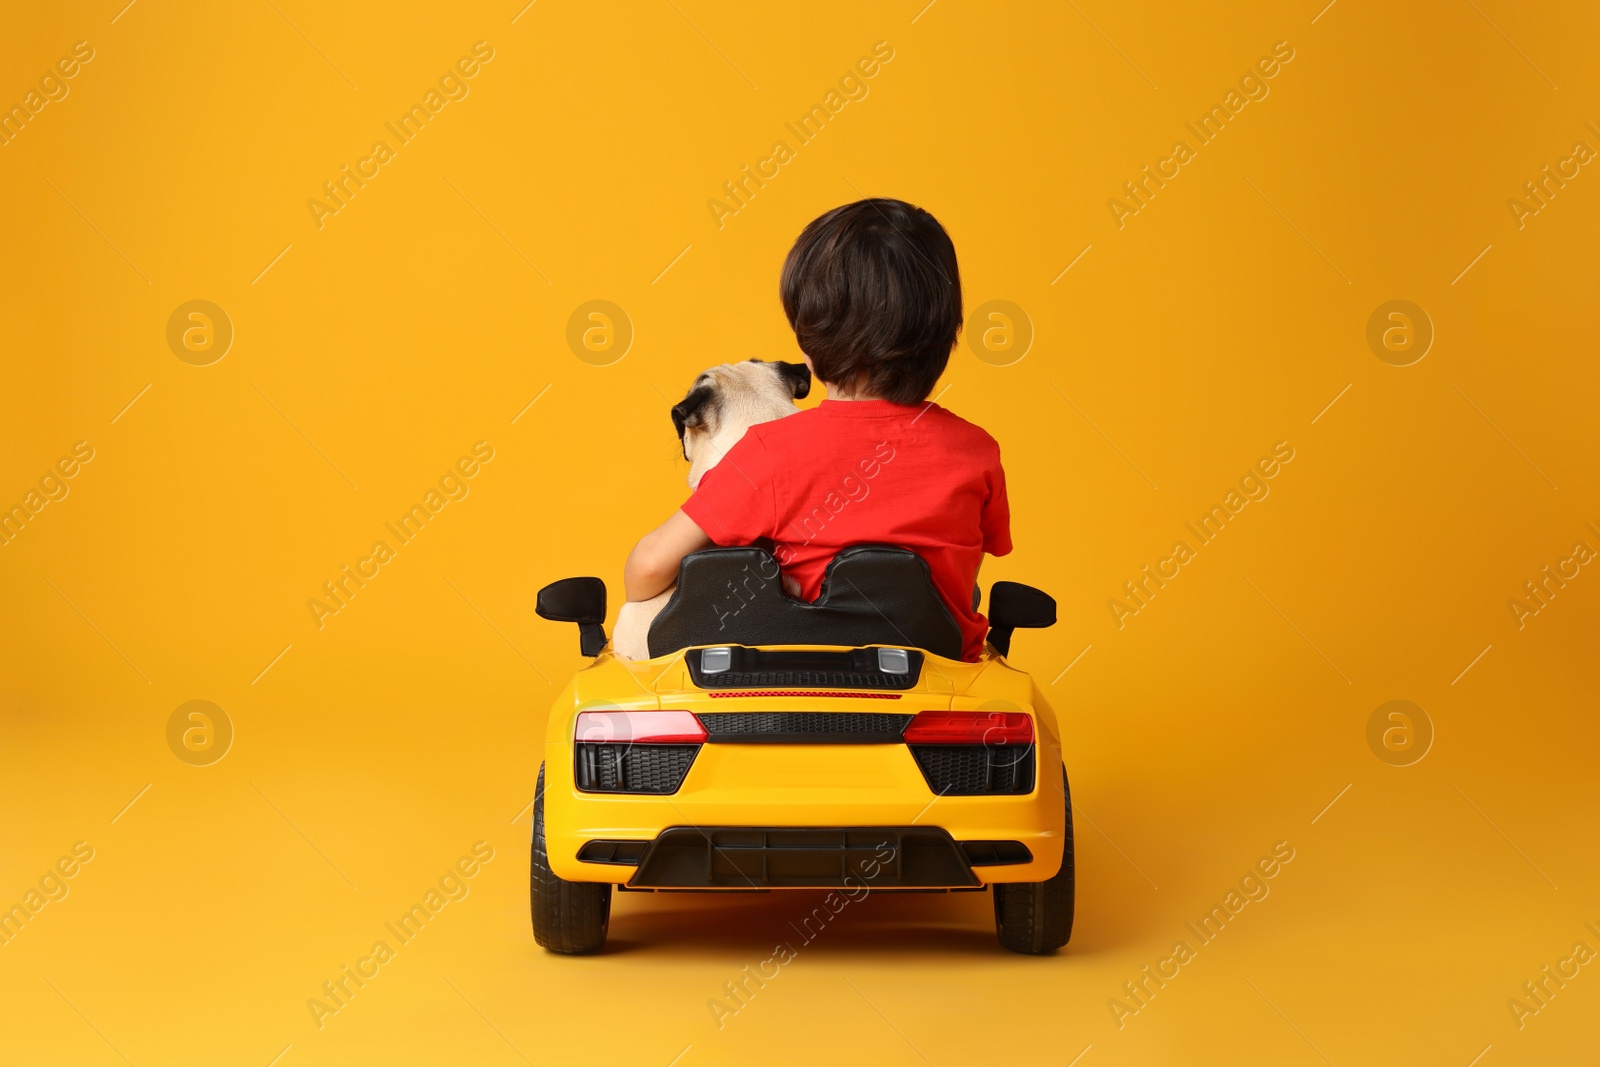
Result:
809,423
813,431
956,426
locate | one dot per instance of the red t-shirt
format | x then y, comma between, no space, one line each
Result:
853,471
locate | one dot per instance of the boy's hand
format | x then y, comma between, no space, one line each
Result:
652,566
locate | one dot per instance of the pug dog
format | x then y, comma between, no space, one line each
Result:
720,406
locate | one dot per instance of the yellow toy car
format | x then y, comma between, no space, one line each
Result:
773,744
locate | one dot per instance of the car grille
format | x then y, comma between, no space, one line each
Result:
814,679
740,857
613,768
804,727
756,668
820,856
950,770
976,770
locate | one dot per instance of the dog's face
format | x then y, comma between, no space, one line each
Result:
727,400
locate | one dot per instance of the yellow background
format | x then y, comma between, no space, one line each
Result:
428,313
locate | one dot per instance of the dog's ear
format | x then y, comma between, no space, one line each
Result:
797,376
691,413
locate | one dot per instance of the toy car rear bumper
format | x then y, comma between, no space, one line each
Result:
747,857
796,815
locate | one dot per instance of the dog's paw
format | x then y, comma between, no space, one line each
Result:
631,638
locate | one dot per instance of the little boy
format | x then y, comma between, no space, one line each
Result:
872,292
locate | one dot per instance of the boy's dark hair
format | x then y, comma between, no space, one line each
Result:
874,297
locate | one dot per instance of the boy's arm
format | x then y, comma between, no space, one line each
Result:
652,566
996,519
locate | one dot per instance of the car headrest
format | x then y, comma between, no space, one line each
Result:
871,595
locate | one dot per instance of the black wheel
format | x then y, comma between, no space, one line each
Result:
1036,917
568,917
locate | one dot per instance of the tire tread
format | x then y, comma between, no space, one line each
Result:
570,918
1035,918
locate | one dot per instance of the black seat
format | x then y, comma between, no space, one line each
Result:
871,595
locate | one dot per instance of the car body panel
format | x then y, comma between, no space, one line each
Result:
801,785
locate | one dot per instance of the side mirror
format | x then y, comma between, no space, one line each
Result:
1012,604
579,600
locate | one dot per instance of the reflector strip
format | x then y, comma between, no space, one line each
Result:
803,693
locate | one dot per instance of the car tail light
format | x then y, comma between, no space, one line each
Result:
970,728
973,753
640,727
